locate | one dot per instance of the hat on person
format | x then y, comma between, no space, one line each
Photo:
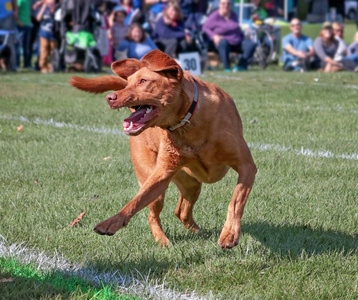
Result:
327,25
119,8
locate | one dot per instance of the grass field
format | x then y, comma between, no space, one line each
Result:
299,233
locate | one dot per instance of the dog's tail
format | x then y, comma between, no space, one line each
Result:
99,84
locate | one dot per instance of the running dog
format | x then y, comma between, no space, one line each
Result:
182,130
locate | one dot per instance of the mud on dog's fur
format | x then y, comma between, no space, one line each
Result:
165,149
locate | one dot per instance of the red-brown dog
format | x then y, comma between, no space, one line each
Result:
181,129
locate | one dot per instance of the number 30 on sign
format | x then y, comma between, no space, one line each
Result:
190,61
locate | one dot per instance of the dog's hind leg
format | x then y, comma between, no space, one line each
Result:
189,190
154,221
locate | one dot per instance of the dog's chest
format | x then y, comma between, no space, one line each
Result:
205,165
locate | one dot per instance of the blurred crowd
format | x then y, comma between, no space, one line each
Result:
64,35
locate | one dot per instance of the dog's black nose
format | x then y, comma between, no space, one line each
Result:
111,97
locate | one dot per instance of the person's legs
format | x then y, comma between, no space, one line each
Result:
353,57
224,53
247,49
296,65
170,46
26,46
44,45
52,46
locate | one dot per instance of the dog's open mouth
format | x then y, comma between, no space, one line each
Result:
141,116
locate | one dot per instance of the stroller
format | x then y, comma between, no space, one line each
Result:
193,26
267,38
76,22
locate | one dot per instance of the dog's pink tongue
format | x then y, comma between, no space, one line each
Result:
136,118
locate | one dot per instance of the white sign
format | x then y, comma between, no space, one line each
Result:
190,61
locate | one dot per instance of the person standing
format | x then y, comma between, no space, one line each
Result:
24,27
47,39
118,29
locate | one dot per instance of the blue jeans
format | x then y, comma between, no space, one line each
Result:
246,48
24,39
353,57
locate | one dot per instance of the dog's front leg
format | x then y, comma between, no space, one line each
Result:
230,233
155,186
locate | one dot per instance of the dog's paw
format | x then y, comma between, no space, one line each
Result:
163,242
111,225
229,237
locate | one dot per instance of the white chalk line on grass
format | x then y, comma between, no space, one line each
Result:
334,109
259,146
53,123
303,151
144,288
350,86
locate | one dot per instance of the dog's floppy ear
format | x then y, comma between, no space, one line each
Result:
126,67
158,61
99,84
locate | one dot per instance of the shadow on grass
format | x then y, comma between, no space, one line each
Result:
282,240
293,240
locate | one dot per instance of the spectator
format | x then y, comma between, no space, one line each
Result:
226,36
298,54
338,30
24,26
186,7
258,11
119,29
102,36
352,56
34,38
8,16
134,14
353,47
45,16
170,32
136,43
156,8
326,47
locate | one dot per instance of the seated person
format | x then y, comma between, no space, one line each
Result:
155,9
326,47
338,31
169,33
350,62
353,49
298,54
136,43
222,28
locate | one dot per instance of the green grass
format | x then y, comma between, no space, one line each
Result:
299,228
25,282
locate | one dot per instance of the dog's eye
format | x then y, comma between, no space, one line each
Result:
142,81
